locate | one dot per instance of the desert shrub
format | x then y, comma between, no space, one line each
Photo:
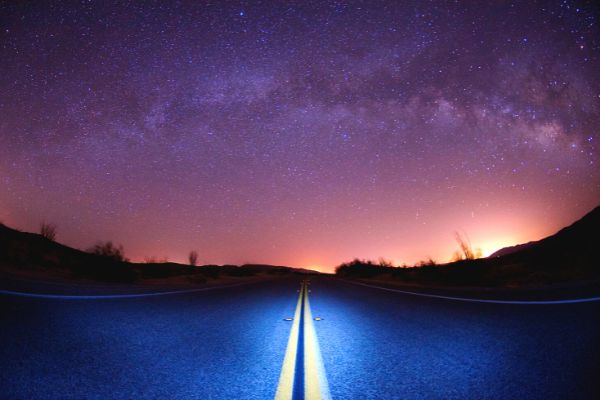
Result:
48,230
109,250
156,260
193,258
429,262
465,251
385,263
362,268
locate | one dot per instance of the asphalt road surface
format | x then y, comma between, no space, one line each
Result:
230,343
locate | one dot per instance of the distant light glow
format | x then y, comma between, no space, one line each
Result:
491,247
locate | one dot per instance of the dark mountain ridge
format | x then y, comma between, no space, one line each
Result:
23,252
576,245
570,255
511,249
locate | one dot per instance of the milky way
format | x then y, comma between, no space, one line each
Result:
301,133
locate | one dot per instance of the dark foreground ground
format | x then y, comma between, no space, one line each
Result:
230,342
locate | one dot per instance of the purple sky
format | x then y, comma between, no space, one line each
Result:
303,133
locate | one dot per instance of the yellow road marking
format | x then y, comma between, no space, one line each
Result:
285,388
315,380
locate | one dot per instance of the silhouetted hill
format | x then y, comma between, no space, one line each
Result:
271,268
574,246
32,253
569,255
511,249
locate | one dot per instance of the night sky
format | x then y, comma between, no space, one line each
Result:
302,133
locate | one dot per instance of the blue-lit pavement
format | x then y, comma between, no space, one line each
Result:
378,344
218,344
233,343
303,374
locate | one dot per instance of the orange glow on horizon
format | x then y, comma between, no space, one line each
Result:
491,246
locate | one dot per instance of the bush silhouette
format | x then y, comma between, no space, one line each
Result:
465,251
193,258
107,249
363,268
156,260
429,262
48,230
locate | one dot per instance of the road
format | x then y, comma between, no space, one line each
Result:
230,343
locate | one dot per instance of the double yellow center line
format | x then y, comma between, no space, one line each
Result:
302,374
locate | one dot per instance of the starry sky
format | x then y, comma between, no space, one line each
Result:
301,133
